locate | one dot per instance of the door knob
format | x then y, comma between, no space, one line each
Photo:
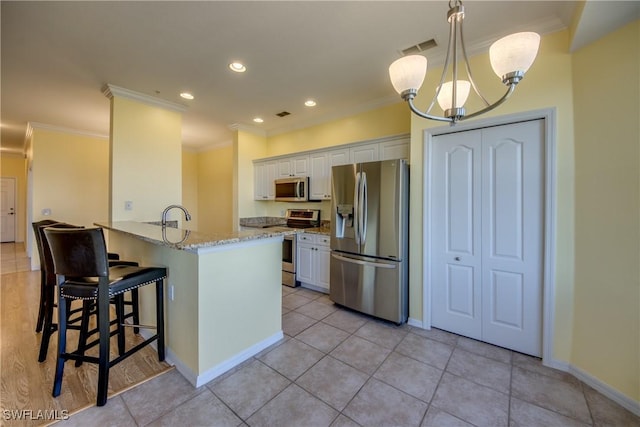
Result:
457,258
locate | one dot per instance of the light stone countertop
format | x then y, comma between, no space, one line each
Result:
191,240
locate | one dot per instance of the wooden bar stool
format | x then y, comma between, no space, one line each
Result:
83,273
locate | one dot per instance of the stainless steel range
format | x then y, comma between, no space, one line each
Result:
296,218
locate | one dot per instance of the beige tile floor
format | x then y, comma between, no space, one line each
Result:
339,368
336,367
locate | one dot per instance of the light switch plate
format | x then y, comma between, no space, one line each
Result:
128,205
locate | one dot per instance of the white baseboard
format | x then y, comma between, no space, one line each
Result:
223,367
626,402
415,322
210,374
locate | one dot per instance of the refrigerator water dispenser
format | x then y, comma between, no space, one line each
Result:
344,218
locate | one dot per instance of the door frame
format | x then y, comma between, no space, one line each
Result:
14,181
549,220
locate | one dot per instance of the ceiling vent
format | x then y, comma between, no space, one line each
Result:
420,47
283,114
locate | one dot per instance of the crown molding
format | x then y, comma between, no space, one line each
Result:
9,152
213,146
248,128
31,126
111,91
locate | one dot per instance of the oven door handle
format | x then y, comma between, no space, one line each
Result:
363,262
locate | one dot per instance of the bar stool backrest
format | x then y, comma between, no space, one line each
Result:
78,252
46,259
38,234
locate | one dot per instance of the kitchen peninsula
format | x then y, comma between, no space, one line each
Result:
223,293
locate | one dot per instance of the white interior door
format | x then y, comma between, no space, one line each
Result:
456,263
8,210
487,243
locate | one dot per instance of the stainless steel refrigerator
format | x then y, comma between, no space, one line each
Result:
369,238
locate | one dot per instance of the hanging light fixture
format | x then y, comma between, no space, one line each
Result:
510,57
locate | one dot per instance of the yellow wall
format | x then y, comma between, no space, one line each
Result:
606,336
190,186
15,166
215,189
246,147
385,121
146,149
70,176
181,314
547,84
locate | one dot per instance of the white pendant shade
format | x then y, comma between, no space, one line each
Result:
445,95
515,52
408,72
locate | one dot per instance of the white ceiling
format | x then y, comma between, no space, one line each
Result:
57,57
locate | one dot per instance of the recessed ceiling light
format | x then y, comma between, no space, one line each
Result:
238,67
186,95
258,120
310,103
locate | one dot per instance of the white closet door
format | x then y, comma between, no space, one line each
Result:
512,235
487,236
456,234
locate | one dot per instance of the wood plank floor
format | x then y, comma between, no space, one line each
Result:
25,383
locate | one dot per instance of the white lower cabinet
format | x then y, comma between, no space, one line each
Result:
312,263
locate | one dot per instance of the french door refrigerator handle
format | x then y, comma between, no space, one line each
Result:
363,262
356,208
363,207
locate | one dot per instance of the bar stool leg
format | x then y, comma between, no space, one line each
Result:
62,344
84,329
103,357
119,300
48,327
135,306
160,318
43,304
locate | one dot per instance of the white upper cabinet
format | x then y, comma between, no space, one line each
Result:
364,153
317,165
293,166
395,149
338,157
320,177
320,171
264,173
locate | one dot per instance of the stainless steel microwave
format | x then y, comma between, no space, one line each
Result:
294,189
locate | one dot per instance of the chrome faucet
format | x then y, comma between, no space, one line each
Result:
187,215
